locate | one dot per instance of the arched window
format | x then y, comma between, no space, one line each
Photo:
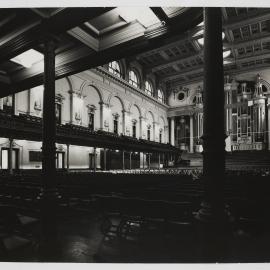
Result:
114,68
149,89
161,97
133,78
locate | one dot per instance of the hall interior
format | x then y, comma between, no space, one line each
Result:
138,126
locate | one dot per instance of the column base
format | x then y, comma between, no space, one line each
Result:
209,214
48,249
214,234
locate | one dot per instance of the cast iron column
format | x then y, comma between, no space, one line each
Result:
105,159
213,228
191,138
172,131
10,150
68,157
49,186
123,160
268,125
95,159
130,153
213,120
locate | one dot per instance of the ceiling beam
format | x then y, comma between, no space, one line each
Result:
71,64
230,72
232,46
199,68
59,23
188,71
254,57
248,42
239,21
159,12
4,78
5,19
174,41
175,61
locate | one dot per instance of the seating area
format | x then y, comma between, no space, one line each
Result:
129,208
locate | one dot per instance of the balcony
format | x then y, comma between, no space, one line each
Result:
27,127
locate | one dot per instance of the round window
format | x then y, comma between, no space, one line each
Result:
181,96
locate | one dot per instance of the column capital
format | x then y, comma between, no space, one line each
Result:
50,38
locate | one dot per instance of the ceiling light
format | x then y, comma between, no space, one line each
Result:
28,58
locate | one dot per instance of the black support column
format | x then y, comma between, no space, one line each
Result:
213,228
10,152
213,120
49,233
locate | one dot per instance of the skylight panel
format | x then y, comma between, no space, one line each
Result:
143,14
28,58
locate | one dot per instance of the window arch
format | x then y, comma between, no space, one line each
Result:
149,88
114,68
161,96
133,78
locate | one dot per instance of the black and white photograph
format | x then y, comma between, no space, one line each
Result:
134,134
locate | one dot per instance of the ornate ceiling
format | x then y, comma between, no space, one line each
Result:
166,41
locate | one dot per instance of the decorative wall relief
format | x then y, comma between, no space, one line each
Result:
78,108
78,116
37,106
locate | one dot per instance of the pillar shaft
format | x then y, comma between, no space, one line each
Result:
95,159
154,131
67,157
10,156
268,125
123,160
49,119
49,191
172,131
101,115
123,122
191,139
140,127
213,120
130,160
105,159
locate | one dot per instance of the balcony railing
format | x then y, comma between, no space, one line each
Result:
29,127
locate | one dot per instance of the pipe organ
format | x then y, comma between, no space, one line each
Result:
247,117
